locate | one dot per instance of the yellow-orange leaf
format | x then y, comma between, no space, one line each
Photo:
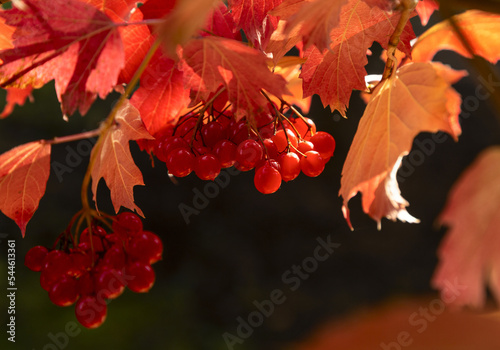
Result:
417,98
482,30
24,172
469,252
113,160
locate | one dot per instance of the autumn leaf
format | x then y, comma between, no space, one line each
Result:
252,16
469,251
24,171
113,160
185,19
117,10
417,98
289,68
161,95
220,23
425,9
313,20
79,47
482,30
334,73
212,62
16,96
5,35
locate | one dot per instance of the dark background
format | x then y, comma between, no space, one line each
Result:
236,250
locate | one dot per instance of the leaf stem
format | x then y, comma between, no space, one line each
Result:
408,7
74,137
106,126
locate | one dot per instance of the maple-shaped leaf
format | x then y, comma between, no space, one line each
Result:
24,171
313,20
185,19
114,162
335,73
252,16
220,23
482,30
213,61
418,98
15,96
425,9
469,253
161,95
289,68
66,40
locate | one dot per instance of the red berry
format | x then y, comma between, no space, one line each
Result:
290,166
248,153
64,292
312,164
35,257
180,162
305,146
207,166
128,223
90,311
272,150
212,133
282,137
57,262
238,132
267,179
48,278
324,144
95,243
141,277
225,150
109,283
305,127
167,145
114,258
185,128
146,247
81,262
85,285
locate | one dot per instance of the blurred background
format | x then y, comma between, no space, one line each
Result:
243,245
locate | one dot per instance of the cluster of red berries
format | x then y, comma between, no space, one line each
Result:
279,148
98,267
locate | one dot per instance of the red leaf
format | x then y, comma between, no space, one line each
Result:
417,98
79,47
252,16
469,251
117,10
212,62
5,35
221,23
161,95
113,160
333,74
314,20
24,172
482,30
16,96
425,9
154,9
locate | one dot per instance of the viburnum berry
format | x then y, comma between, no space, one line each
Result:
312,164
248,153
141,275
207,166
290,166
167,145
34,259
64,291
109,283
267,179
146,247
225,150
128,223
282,137
180,162
324,144
91,311
212,133
305,127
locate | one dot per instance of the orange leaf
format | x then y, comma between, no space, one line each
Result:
334,73
16,96
417,98
470,251
24,172
314,19
186,18
212,62
113,160
161,95
66,40
482,30
425,9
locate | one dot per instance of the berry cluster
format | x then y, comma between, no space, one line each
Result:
98,267
277,147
